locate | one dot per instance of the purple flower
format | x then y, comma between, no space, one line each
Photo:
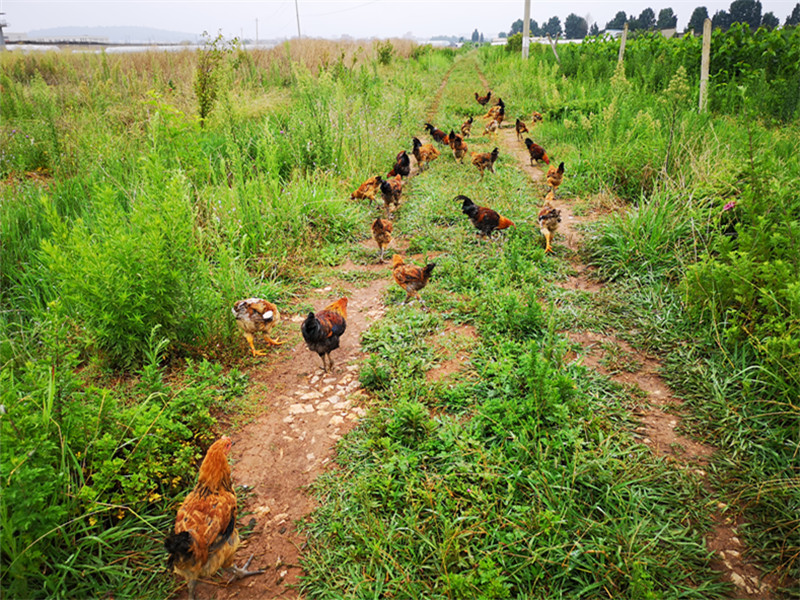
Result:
729,205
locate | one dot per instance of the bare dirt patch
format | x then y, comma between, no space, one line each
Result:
453,344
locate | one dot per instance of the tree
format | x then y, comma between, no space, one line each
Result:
553,27
770,21
481,40
618,22
699,16
594,29
535,29
721,20
476,36
647,20
746,11
502,35
793,20
575,27
667,19
516,27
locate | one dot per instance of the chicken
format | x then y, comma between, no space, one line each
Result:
382,234
466,127
521,128
322,331
549,218
536,151
205,537
492,128
536,117
391,190
485,220
438,135
485,160
424,153
482,100
256,314
555,176
402,165
459,147
497,109
367,189
410,277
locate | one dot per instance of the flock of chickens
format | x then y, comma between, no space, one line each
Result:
205,538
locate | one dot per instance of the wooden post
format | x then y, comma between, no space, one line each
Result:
526,29
553,45
704,62
622,41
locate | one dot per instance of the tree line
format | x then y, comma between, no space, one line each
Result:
740,11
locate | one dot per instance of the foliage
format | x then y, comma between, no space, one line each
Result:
385,52
208,76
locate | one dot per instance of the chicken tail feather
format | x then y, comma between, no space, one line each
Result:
179,547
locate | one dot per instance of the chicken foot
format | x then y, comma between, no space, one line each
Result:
249,338
240,572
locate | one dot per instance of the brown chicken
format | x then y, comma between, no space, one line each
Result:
485,220
521,128
205,537
402,165
485,160
382,234
466,127
424,153
536,151
536,117
438,135
322,331
555,176
459,147
256,314
410,277
367,189
491,128
496,110
549,218
391,190
482,100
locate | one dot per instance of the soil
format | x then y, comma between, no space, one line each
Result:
303,412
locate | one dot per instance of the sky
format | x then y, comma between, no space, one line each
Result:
333,19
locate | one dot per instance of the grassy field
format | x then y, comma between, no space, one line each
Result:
130,226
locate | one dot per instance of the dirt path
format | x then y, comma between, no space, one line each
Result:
303,413
660,413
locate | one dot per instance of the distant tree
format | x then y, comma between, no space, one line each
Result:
647,20
697,19
793,20
721,20
746,11
553,27
481,38
516,27
618,22
667,19
502,35
476,36
594,29
575,27
770,21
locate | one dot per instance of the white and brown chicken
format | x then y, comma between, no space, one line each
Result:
254,315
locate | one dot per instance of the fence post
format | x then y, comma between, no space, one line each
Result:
553,45
622,43
704,62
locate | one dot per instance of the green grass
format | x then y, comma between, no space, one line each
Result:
516,477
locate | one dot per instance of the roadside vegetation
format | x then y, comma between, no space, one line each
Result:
134,214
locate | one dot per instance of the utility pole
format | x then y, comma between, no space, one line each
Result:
705,60
297,11
256,33
526,29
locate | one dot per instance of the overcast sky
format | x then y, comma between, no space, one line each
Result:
336,18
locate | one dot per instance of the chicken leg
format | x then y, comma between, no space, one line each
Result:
239,572
249,337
